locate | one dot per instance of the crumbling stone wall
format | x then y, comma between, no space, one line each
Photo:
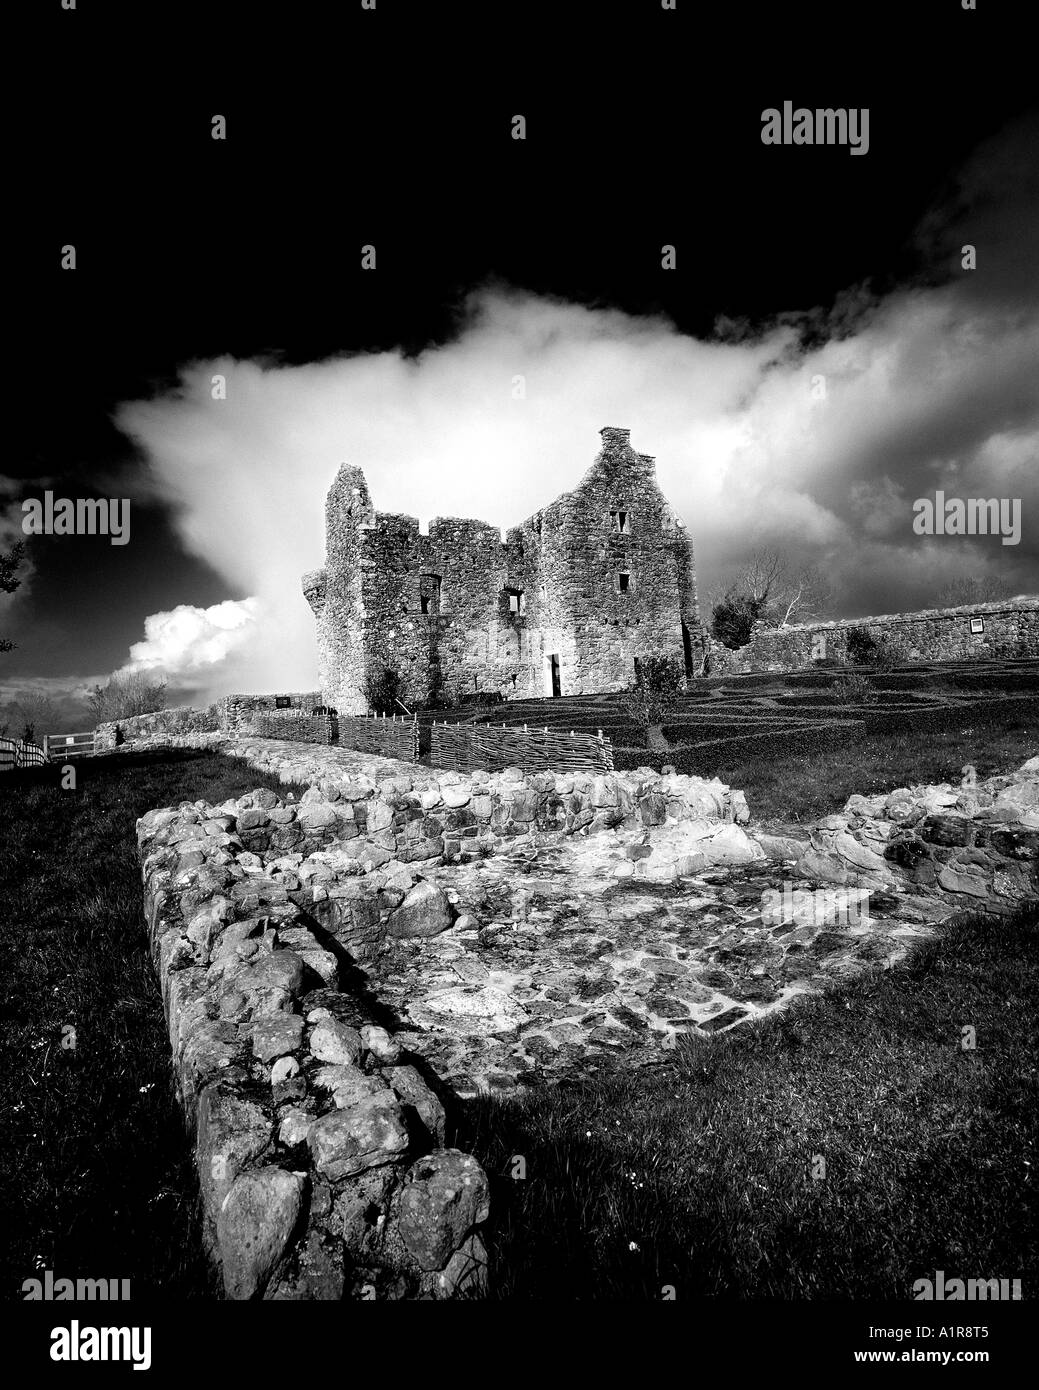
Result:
320,1147
183,720
1010,629
319,1141
603,576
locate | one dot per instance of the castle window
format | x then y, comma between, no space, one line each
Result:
517,601
624,581
429,593
619,523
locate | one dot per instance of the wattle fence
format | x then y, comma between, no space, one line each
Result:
466,747
297,727
391,736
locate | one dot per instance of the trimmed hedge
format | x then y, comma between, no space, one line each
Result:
701,758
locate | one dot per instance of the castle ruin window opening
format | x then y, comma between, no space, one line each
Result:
619,522
429,593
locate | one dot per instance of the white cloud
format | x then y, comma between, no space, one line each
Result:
186,643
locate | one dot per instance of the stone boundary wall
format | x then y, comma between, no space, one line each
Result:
319,1146
183,720
1011,629
238,713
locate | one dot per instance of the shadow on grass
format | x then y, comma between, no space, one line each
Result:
95,1169
842,1149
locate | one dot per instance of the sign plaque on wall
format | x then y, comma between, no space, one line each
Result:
977,624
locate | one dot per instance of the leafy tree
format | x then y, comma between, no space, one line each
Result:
854,690
865,648
653,697
9,580
383,687
734,617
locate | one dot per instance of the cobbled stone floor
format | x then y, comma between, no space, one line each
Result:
556,967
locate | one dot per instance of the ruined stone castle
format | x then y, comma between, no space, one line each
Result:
567,602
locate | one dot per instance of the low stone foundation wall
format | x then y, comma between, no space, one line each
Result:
318,1139
974,847
445,817
1007,629
319,1145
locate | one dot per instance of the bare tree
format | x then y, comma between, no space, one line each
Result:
126,695
808,595
766,592
38,714
968,589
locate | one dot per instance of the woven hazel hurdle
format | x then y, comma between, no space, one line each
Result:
390,735
466,747
296,727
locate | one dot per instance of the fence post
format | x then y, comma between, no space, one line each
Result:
46,748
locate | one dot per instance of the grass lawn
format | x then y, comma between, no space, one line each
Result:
789,784
699,1173
97,1176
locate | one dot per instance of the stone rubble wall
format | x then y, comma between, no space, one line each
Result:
319,1143
1011,630
233,715
165,722
974,847
383,811
319,1146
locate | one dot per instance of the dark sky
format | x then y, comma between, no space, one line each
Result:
392,127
